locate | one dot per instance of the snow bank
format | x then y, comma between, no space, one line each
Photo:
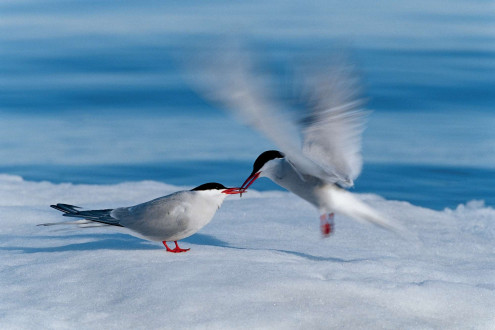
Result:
259,264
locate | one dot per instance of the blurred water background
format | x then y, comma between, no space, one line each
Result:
90,91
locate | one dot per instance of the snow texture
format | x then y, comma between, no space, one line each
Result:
260,263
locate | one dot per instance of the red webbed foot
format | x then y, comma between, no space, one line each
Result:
177,249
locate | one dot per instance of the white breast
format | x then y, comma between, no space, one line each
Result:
307,187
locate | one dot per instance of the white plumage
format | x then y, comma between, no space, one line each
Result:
169,218
319,136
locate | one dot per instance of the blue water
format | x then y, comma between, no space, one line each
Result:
94,92
435,187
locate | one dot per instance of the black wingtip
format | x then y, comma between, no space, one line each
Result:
66,208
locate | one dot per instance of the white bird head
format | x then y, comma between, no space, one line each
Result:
262,166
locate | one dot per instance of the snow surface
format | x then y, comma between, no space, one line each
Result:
260,263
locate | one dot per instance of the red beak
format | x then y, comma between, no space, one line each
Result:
250,180
233,191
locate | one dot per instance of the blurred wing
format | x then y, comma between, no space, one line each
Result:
231,82
334,123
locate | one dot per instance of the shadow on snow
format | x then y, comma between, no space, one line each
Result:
118,241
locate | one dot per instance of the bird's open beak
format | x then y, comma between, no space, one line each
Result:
249,181
233,191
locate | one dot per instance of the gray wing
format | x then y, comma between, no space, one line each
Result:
101,216
172,206
325,143
228,79
334,123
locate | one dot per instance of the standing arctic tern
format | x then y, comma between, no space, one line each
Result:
319,136
169,218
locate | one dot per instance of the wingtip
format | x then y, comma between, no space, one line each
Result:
66,208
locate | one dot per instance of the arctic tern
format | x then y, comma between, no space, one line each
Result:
319,135
169,218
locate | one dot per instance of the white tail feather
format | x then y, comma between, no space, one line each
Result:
346,203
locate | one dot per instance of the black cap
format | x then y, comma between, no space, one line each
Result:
265,157
210,186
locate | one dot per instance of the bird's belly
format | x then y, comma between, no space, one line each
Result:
307,190
167,227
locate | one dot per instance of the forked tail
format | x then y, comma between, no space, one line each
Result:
346,203
101,216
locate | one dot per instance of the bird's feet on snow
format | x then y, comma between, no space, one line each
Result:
177,249
327,225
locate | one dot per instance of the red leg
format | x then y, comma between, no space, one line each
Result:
327,224
177,248
166,246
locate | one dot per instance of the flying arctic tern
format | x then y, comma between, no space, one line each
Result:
319,137
169,218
